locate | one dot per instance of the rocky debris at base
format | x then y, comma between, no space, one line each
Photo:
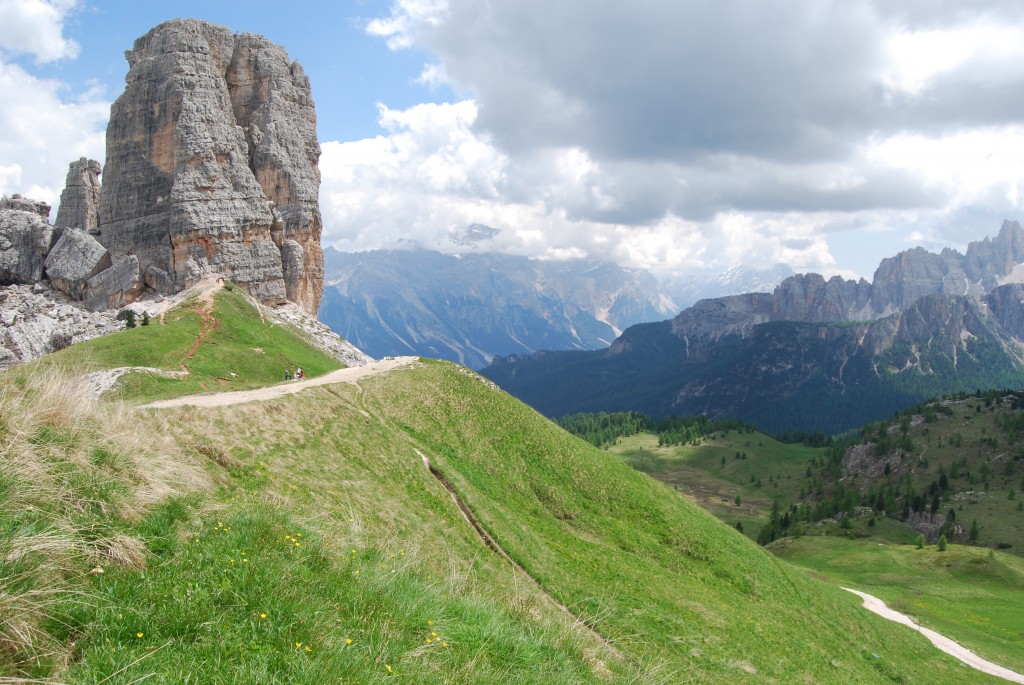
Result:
98,382
318,335
861,461
35,320
70,260
930,525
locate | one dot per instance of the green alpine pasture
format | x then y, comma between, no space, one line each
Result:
970,594
305,540
237,350
735,475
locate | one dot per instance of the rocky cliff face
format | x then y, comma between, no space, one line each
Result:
212,165
899,283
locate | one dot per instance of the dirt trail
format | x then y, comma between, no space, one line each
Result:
947,645
223,399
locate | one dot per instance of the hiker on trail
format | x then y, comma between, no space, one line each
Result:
287,374
299,374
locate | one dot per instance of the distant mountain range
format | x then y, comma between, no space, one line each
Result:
813,354
473,307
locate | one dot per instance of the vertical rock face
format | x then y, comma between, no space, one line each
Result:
212,165
80,200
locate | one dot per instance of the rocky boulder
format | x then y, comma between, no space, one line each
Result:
212,165
75,259
80,199
114,287
25,240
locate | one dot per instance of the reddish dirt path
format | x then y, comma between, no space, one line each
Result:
207,325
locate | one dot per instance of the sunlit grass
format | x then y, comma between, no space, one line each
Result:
303,540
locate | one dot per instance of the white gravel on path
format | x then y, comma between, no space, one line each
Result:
947,645
222,399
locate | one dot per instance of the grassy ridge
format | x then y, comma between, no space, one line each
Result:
655,574
229,548
239,351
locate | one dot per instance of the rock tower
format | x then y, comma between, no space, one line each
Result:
212,165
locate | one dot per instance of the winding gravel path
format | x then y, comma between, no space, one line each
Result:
948,646
222,399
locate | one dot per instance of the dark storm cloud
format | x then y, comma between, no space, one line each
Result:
664,80
790,82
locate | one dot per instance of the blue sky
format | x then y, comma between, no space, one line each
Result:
675,135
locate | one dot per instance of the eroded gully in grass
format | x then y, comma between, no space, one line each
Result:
493,545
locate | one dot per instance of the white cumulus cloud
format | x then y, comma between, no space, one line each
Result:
43,124
36,27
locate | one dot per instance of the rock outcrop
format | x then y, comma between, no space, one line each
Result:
212,165
23,204
80,200
25,240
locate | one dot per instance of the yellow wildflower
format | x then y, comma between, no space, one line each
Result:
139,635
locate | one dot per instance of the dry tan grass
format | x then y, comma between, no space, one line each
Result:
62,456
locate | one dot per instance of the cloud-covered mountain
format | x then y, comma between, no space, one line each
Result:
472,307
811,355
736,280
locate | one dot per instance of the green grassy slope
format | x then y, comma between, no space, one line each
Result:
238,350
252,543
971,594
656,574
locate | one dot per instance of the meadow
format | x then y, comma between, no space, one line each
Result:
303,540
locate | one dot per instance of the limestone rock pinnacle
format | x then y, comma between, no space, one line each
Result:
212,165
80,200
